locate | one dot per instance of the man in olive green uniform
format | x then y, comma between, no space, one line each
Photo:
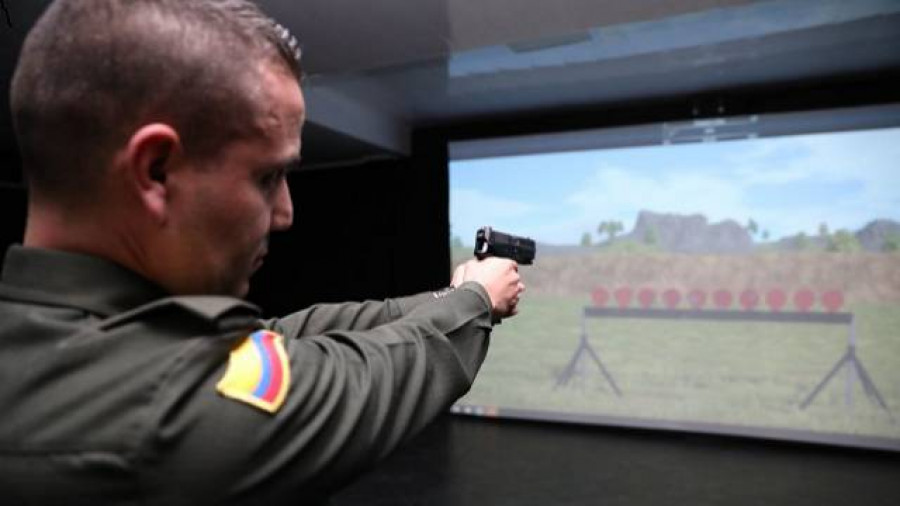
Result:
155,137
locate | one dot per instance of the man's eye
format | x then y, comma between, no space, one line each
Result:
272,179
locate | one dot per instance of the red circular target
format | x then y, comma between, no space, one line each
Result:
697,299
776,299
671,298
804,300
832,300
722,299
623,296
600,296
749,299
647,296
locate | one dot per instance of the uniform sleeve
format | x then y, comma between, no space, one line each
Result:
354,396
322,318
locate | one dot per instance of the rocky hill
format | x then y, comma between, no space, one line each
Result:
689,234
875,235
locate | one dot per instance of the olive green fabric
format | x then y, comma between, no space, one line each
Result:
108,387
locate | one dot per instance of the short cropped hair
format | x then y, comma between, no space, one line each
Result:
92,71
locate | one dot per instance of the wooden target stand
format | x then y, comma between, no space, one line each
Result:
849,360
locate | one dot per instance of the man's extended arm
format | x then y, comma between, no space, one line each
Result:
499,278
354,396
322,318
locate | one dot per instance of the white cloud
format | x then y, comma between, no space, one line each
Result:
619,193
862,160
866,156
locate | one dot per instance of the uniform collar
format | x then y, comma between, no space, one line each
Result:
58,278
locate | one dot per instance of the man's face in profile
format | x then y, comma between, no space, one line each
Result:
232,203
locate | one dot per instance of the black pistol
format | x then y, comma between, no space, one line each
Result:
489,242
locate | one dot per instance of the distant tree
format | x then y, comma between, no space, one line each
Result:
802,242
842,241
752,227
765,235
603,228
610,228
823,230
616,228
586,239
457,242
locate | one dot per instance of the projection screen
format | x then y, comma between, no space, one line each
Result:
734,275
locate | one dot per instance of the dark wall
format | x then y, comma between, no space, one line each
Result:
12,215
367,231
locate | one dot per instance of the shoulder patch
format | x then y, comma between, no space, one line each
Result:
258,372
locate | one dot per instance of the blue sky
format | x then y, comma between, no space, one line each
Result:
786,184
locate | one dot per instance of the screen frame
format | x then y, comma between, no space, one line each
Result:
707,129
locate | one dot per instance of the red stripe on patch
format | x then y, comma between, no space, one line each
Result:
274,360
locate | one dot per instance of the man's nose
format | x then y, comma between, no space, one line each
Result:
283,210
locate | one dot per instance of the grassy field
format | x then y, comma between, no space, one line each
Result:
745,373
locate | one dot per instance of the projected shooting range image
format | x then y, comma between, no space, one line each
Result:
747,287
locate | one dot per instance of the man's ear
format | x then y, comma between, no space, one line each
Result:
151,155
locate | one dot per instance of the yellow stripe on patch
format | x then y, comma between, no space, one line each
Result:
258,372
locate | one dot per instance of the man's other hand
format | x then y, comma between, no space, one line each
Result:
499,277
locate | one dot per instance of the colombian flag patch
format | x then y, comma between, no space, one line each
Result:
258,372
